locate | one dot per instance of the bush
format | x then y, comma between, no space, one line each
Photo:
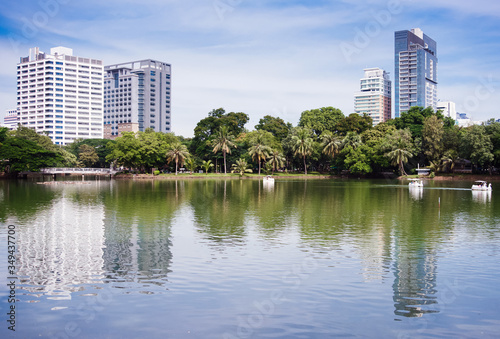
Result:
432,175
157,172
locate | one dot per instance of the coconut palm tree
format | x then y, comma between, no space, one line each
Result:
302,144
331,144
259,151
240,167
223,141
191,164
276,159
177,152
207,164
398,157
399,148
352,139
449,160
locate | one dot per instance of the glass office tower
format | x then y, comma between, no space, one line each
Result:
415,61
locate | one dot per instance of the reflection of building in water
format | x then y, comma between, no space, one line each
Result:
136,251
415,282
61,248
375,249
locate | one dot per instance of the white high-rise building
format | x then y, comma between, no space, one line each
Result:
137,96
374,97
61,95
448,108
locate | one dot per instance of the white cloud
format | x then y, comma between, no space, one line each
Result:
260,57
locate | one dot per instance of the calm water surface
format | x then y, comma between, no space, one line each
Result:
235,259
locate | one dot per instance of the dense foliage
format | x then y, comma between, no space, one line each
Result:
325,140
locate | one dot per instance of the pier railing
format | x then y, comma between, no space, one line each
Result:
76,170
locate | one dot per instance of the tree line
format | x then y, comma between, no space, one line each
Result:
325,140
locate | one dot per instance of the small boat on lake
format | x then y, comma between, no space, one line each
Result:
416,183
480,185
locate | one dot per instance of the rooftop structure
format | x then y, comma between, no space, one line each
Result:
60,94
374,97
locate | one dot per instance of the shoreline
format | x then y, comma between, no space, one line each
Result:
451,177
457,177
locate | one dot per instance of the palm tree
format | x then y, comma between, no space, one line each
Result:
302,144
240,167
352,139
259,151
449,160
223,141
207,164
276,159
399,148
191,164
177,152
331,144
399,156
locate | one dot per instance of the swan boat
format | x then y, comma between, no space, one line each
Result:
480,185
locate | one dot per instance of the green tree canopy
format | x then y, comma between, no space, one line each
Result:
276,126
207,129
492,128
125,151
477,146
88,156
101,146
141,150
354,123
321,119
432,136
356,160
414,119
19,154
3,134
25,150
30,134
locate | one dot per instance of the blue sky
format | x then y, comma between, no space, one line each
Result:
263,57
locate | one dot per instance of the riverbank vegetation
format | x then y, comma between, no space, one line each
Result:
324,141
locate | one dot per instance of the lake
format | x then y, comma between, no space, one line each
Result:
237,259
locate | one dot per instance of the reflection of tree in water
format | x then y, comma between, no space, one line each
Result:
220,208
137,229
24,200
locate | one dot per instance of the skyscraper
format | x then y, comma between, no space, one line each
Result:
60,94
415,70
137,96
374,97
